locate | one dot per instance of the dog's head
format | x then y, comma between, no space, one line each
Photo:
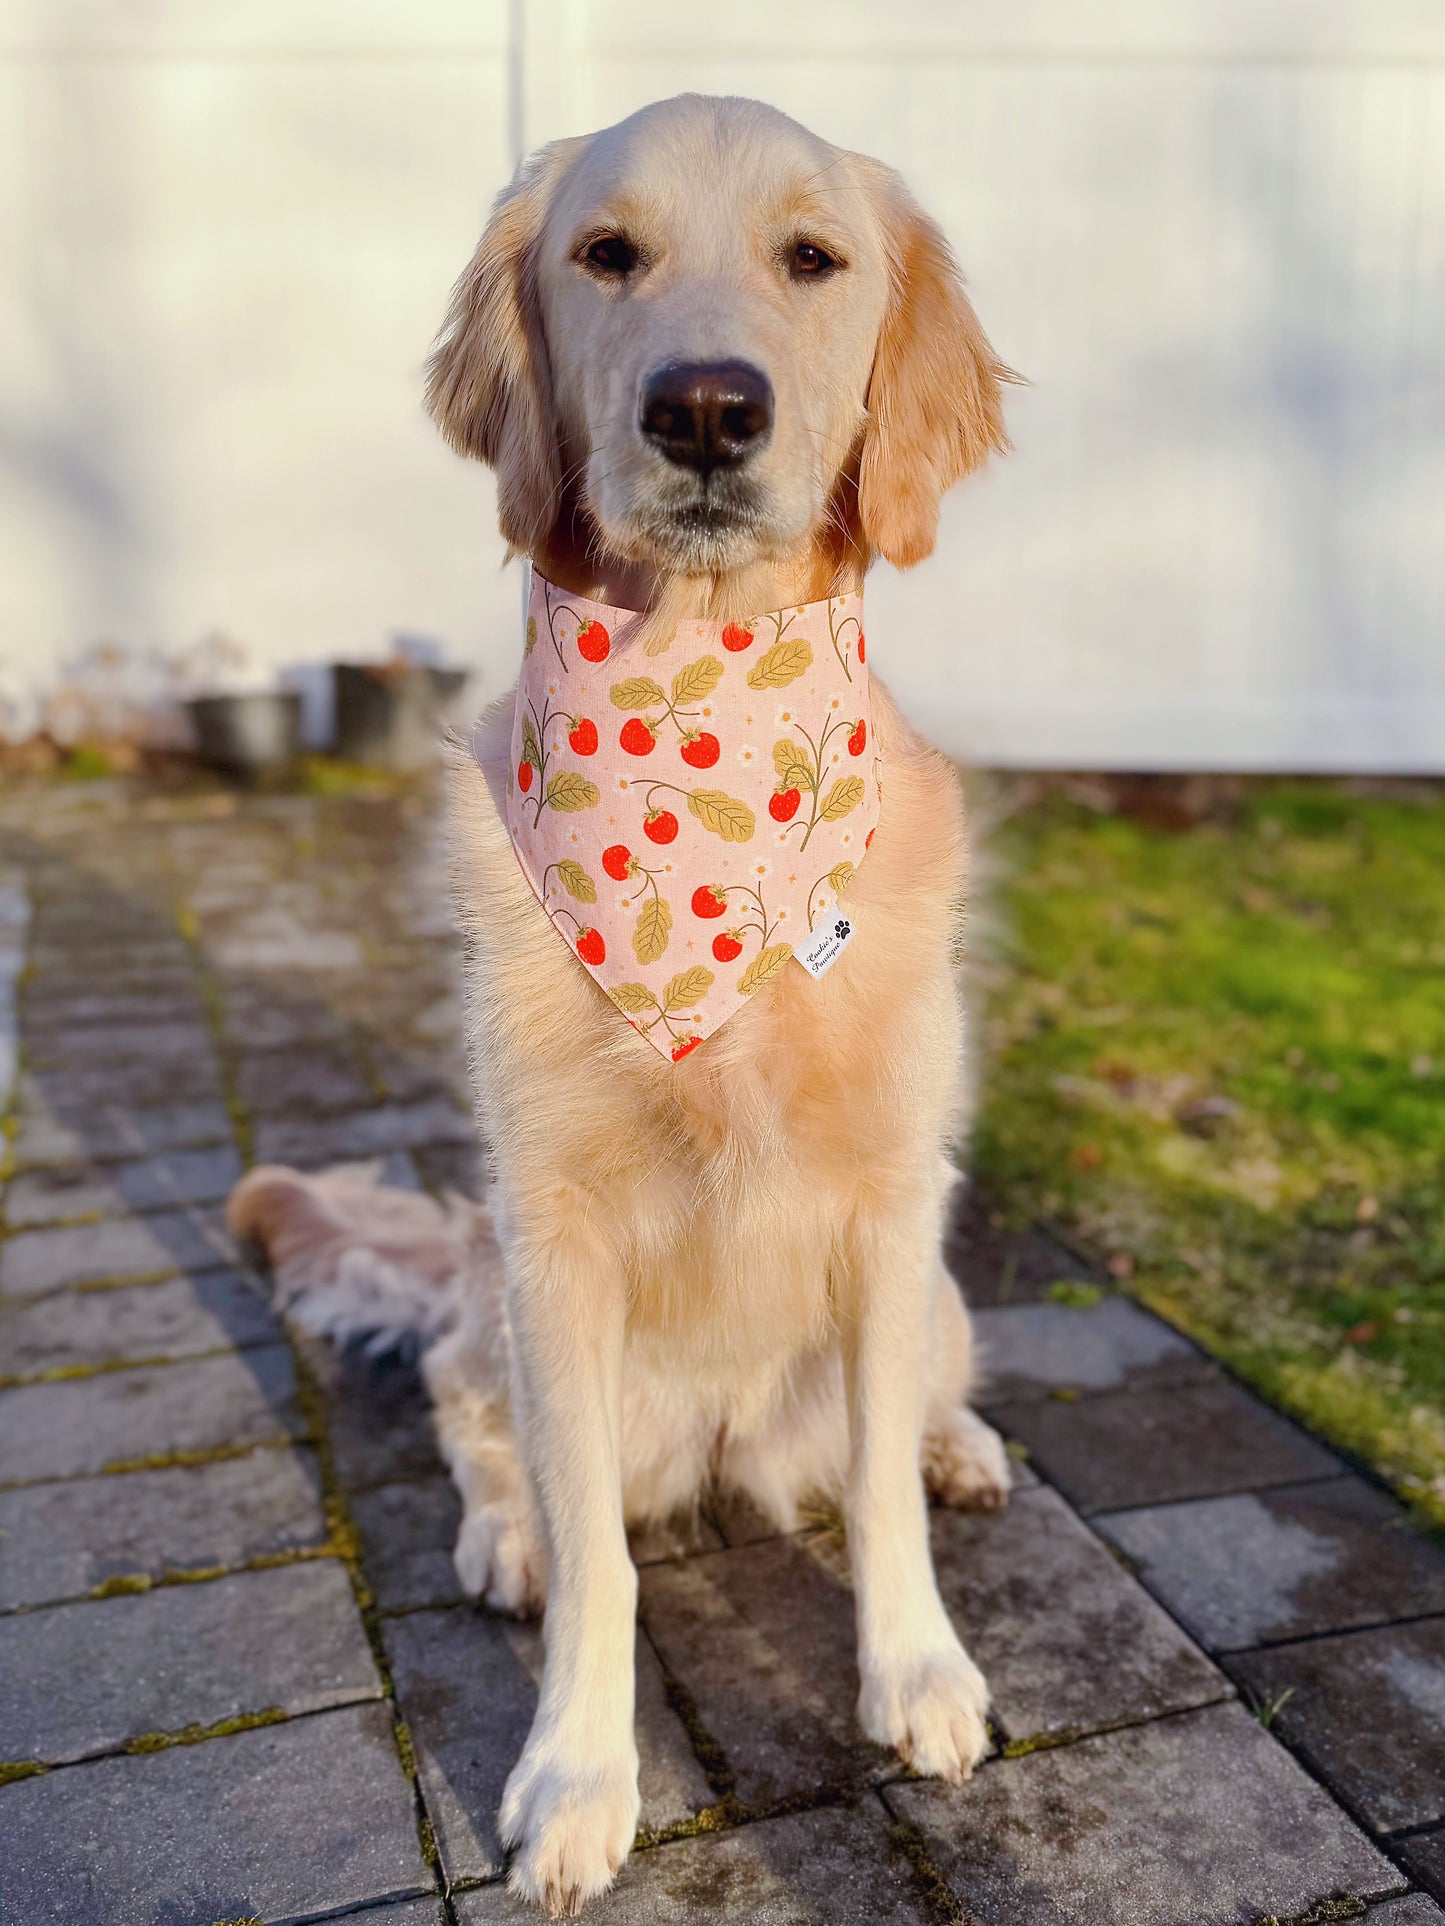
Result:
720,340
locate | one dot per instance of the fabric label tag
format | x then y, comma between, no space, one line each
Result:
825,946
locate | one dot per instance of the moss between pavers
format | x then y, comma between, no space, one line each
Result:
13,1769
1216,1063
198,1734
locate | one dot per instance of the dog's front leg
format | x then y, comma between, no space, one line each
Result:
920,1691
571,1803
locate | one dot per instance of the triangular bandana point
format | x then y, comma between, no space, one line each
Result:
686,820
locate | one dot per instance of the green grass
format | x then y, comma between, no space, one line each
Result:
1216,1061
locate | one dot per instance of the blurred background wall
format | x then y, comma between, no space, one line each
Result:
1212,235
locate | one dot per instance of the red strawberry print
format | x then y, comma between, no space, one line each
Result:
636,738
858,741
593,642
709,900
726,948
701,751
617,861
783,804
660,826
583,737
681,1048
524,776
735,638
590,947
862,646
868,839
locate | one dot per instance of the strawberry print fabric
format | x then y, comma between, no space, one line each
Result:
686,817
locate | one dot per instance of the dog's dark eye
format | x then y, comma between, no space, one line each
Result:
610,254
809,262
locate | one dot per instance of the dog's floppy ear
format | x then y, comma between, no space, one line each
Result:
488,385
935,408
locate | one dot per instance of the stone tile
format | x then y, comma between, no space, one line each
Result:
1067,1640
183,1655
178,1177
1423,1857
1030,1350
407,1534
178,1317
1413,1910
47,1011
85,1425
277,1082
80,1046
740,1521
761,1639
466,1685
62,1540
110,1131
410,1912
254,1018
666,1544
837,1867
311,1141
378,1417
134,1085
121,1247
1280,1564
417,1073
1150,1447
1200,1819
1367,1710
997,1266
279,1824
455,1167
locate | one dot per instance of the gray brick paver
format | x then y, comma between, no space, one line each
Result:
176,1317
179,1656
1035,1349
278,1824
1423,1857
1130,1448
111,1131
836,1867
1367,1710
85,1425
1413,1910
466,1685
1275,1565
407,1535
203,1176
60,1541
121,1247
311,1141
1200,1820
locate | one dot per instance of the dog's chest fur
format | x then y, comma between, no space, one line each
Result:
724,1182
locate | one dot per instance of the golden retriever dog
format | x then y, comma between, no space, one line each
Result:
723,1272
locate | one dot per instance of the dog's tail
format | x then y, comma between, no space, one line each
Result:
356,1260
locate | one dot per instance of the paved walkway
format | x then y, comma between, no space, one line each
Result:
237,1682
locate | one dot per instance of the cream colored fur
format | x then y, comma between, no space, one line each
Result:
725,1271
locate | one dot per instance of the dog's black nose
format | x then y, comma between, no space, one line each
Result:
707,414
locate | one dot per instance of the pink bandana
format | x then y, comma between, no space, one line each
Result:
688,818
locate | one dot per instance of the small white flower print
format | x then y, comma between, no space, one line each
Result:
747,754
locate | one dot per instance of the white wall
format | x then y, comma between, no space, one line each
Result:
1213,236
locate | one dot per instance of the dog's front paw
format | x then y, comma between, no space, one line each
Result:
569,1824
500,1559
965,1465
930,1709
